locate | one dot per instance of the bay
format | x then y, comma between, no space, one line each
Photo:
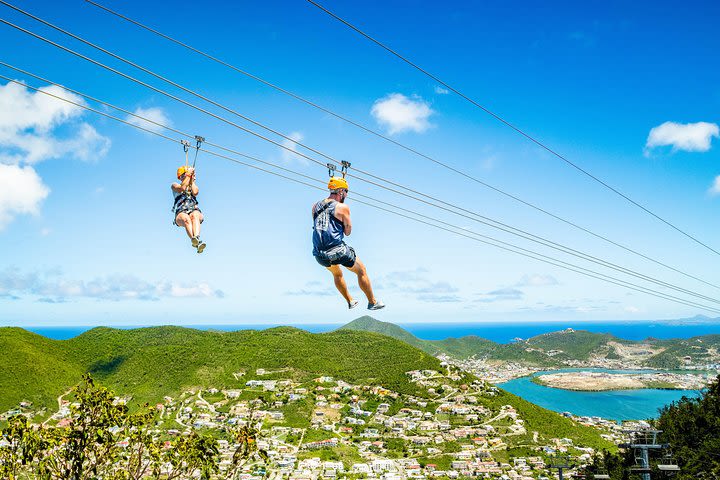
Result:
615,405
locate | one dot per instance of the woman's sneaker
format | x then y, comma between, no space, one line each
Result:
376,306
353,304
201,246
195,241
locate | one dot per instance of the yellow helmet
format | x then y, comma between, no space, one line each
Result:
336,183
181,171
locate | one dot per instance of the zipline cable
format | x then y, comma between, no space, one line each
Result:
399,144
515,128
482,219
464,232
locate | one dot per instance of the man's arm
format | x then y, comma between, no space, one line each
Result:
342,213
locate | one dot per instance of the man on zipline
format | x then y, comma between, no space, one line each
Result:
187,212
331,218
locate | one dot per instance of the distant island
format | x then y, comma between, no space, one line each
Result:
604,381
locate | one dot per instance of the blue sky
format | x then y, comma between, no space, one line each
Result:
85,219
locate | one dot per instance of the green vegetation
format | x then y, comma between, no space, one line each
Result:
441,462
548,424
695,348
149,363
297,414
661,385
342,453
90,448
575,344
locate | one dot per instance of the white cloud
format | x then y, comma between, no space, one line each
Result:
632,309
21,109
52,287
715,188
399,113
28,124
536,280
689,137
154,114
420,284
178,290
22,192
501,294
441,91
434,298
288,156
35,127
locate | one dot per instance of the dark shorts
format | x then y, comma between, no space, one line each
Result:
341,255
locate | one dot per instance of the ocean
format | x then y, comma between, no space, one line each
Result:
497,332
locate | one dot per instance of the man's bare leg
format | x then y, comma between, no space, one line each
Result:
363,280
340,282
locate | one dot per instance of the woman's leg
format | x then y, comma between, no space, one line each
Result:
183,220
196,216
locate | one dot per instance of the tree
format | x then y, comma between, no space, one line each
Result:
89,447
188,455
21,443
692,428
246,437
103,440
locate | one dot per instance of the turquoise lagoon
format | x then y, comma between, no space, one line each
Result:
615,405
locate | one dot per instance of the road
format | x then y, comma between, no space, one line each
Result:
59,402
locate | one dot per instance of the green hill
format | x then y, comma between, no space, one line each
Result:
699,350
574,344
369,324
34,368
149,363
463,347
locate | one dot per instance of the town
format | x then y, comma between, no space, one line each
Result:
328,428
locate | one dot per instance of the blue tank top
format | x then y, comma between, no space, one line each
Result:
328,231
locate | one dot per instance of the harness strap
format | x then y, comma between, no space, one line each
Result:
322,208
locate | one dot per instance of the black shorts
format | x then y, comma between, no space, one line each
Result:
341,255
188,211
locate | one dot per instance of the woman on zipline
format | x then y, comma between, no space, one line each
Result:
187,212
